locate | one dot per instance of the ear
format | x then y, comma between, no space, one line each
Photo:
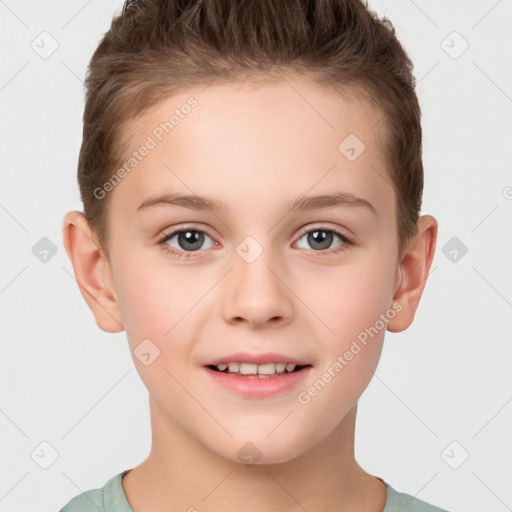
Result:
413,272
92,271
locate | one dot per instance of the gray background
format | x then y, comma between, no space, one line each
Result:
442,390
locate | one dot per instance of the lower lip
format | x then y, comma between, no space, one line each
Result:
259,386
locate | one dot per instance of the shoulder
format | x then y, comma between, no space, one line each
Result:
109,498
401,502
90,501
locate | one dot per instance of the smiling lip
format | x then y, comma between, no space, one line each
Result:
246,357
256,387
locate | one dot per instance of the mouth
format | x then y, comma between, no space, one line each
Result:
250,380
259,371
258,375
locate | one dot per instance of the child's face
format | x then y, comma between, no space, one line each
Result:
256,150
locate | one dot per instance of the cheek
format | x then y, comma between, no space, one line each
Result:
155,297
346,299
351,305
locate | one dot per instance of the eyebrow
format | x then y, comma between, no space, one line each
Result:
302,203
187,201
331,201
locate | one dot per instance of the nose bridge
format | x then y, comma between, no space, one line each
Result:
255,291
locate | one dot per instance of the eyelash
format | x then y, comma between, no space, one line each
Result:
170,250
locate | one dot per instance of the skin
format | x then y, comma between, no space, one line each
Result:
257,149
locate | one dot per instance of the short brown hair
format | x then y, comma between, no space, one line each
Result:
157,47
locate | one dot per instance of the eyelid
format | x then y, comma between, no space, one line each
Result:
343,232
304,230
183,227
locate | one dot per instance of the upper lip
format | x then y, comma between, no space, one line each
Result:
246,357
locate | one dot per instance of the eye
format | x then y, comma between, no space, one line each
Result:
321,238
187,241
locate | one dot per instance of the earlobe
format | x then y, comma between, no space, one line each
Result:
413,272
91,272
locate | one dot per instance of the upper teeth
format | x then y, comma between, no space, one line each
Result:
260,369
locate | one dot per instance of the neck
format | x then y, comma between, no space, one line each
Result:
182,474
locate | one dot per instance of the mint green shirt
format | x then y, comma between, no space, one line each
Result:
111,498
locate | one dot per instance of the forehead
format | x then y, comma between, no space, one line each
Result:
243,142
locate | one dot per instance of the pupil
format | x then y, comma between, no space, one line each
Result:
190,240
324,239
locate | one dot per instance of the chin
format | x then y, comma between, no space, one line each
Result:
260,451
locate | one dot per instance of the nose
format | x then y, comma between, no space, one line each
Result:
257,293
